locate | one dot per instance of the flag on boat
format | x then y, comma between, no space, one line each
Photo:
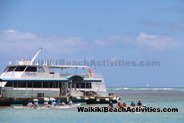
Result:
90,72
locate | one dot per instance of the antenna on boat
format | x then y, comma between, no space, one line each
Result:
32,60
147,85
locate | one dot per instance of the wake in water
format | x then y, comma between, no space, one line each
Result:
144,88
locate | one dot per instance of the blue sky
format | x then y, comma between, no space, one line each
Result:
99,29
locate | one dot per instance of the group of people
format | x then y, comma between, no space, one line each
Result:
50,104
138,103
31,104
47,103
119,104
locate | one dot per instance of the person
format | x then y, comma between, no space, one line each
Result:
124,104
139,103
62,103
46,103
70,102
118,104
53,104
30,104
132,104
110,104
35,104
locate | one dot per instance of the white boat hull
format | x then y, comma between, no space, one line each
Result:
48,107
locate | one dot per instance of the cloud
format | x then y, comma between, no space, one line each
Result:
15,35
112,40
16,42
143,40
157,42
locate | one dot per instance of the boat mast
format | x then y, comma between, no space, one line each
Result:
32,60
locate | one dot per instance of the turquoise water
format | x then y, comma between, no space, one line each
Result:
163,98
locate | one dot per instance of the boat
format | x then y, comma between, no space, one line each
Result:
66,106
29,79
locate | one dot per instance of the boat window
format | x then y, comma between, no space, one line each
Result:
40,69
5,70
32,84
20,68
9,84
20,84
11,68
81,85
31,69
29,84
37,84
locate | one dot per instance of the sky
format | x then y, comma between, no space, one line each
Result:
128,31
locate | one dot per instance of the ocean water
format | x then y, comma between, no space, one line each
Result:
151,97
